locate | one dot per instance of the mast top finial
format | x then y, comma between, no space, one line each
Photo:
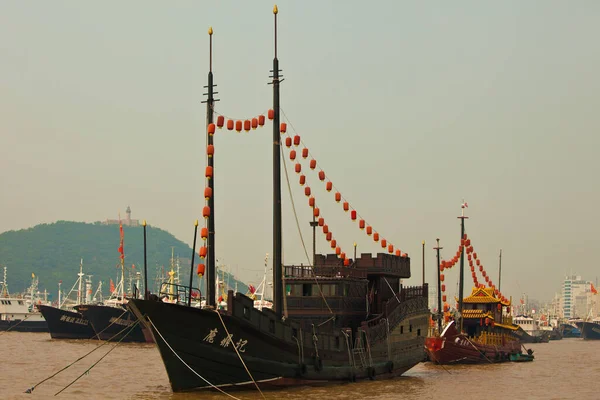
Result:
210,31
275,10
144,223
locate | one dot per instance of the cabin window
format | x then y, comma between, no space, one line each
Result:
295,333
418,332
247,312
410,328
401,328
272,325
307,289
315,291
294,290
329,290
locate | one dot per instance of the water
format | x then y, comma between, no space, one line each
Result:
564,369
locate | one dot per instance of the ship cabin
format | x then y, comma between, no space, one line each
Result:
483,312
344,296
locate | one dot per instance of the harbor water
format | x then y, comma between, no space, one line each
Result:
565,369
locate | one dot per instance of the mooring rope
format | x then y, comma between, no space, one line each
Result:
31,389
238,353
87,371
190,368
97,335
15,325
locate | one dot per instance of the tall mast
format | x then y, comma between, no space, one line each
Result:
277,260
499,269
80,275
462,264
439,289
210,243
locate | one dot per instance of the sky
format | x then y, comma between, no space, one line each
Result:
408,107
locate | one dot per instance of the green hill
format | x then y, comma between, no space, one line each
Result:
53,252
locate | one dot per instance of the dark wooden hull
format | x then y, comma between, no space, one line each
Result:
273,351
109,323
569,331
590,331
453,347
25,326
64,324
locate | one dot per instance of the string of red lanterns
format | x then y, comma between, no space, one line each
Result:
296,141
474,261
239,124
316,211
448,264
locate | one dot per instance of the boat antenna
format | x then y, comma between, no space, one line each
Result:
146,290
439,290
462,263
499,269
277,262
210,243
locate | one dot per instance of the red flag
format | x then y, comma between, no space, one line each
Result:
594,291
112,286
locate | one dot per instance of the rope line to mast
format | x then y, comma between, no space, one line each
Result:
238,354
101,358
310,264
190,368
31,389
97,335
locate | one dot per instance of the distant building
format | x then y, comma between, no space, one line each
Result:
126,222
576,301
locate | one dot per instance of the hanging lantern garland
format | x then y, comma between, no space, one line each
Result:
295,141
239,124
444,265
475,263
312,204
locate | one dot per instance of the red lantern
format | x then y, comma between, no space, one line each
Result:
202,252
297,140
307,191
353,215
361,224
238,126
316,212
499,307
271,114
206,212
462,242
390,248
304,152
209,172
288,141
283,128
338,197
465,236
346,206
443,287
338,251
346,262
200,270
475,256
292,154
325,229
383,243
333,243
230,124
261,120
254,123
468,242
322,175
398,253
481,268
343,255
442,277
211,129
220,121
369,230
329,186
204,233
487,321
302,180
210,150
472,268
376,237
321,221
207,193
298,168
443,297
311,200
478,262
313,164
329,236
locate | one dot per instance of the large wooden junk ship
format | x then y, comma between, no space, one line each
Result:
337,320
481,330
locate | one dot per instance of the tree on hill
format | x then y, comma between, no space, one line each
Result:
53,253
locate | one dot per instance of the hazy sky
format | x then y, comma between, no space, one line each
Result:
409,107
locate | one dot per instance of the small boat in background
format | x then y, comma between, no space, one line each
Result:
520,357
18,313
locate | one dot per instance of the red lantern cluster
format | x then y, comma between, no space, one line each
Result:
240,124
